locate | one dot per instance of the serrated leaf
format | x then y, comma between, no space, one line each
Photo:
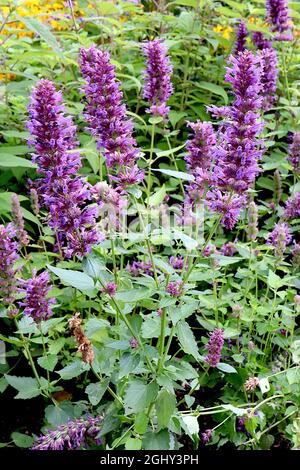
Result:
139,395
165,406
77,279
141,423
26,386
73,370
190,425
48,362
96,391
187,339
157,441
157,197
213,88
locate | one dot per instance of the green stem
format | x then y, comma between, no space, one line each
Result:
150,163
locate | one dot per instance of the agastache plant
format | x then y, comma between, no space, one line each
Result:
36,303
76,434
106,115
158,87
62,192
269,74
238,149
214,347
199,158
241,37
8,258
279,19
294,152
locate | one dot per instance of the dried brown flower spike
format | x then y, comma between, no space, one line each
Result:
84,344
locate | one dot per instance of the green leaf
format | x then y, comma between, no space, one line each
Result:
166,153
215,89
158,197
73,370
43,31
187,339
157,441
11,161
77,279
151,327
175,174
139,395
190,425
133,444
128,364
132,295
226,368
26,386
187,3
48,362
22,440
274,281
165,407
141,423
96,391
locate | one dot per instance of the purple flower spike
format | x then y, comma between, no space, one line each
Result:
74,435
239,149
260,41
60,190
106,116
241,37
292,207
279,20
294,152
280,237
175,288
214,347
158,87
8,257
269,75
36,304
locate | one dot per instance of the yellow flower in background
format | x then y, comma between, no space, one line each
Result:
225,32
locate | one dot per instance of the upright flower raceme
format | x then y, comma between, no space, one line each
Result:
36,303
294,152
260,41
279,20
19,220
199,158
214,347
241,37
158,87
74,435
238,149
292,207
280,238
106,116
60,190
269,74
8,257
252,228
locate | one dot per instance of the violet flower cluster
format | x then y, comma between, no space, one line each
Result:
294,152
241,37
292,207
199,158
60,190
106,115
214,347
158,87
140,267
269,74
8,257
36,303
238,149
260,41
280,238
279,20
77,434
